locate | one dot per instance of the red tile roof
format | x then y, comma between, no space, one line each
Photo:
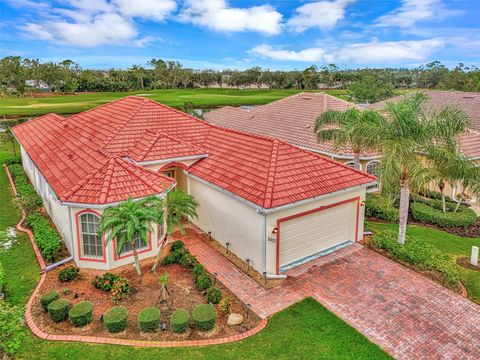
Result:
469,102
290,119
83,157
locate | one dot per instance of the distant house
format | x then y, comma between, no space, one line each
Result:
273,203
291,119
43,87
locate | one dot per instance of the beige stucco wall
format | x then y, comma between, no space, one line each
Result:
271,261
229,220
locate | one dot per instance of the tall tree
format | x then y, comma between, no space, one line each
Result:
371,89
405,132
339,127
129,221
178,207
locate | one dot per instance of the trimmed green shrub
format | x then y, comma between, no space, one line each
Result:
197,271
177,245
381,207
13,160
424,213
203,282
214,295
435,203
81,313
173,257
204,316
416,252
188,260
104,282
29,202
179,321
47,298
115,319
149,319
2,277
58,309
68,274
46,237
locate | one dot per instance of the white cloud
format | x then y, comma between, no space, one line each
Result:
306,55
413,11
390,51
218,16
105,28
320,14
36,31
147,9
363,53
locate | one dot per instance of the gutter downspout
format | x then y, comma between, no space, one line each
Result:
264,243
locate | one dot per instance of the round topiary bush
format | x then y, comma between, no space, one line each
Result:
179,321
204,317
203,282
214,295
47,298
58,309
149,319
115,319
81,313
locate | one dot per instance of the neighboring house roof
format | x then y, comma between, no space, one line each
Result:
290,119
469,102
89,157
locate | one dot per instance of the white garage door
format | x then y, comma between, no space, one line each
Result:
306,236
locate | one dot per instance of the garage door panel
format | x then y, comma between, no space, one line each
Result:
310,234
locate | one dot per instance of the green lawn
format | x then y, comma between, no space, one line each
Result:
305,330
455,246
201,98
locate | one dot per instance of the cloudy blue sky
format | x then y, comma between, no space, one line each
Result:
239,34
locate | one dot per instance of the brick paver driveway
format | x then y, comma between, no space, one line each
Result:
408,315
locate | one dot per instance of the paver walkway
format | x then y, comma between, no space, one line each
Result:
406,314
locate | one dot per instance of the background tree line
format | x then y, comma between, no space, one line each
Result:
22,75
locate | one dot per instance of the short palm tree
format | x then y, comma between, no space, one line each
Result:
448,165
130,221
339,128
404,132
178,206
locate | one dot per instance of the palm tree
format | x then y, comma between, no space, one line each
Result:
130,221
179,206
404,132
339,128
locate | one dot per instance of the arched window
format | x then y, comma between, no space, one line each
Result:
92,245
372,167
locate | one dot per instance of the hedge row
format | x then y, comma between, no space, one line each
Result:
420,254
2,277
425,213
381,207
46,237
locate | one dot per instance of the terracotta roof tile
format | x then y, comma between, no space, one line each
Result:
290,119
82,157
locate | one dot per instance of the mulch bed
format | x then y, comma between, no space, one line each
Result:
465,262
145,292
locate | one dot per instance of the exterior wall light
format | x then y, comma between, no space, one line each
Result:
273,236
227,245
362,203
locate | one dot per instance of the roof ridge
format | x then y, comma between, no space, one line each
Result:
107,180
85,179
155,136
126,166
120,128
60,117
267,203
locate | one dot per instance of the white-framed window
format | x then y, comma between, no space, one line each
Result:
372,167
127,247
352,164
92,245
